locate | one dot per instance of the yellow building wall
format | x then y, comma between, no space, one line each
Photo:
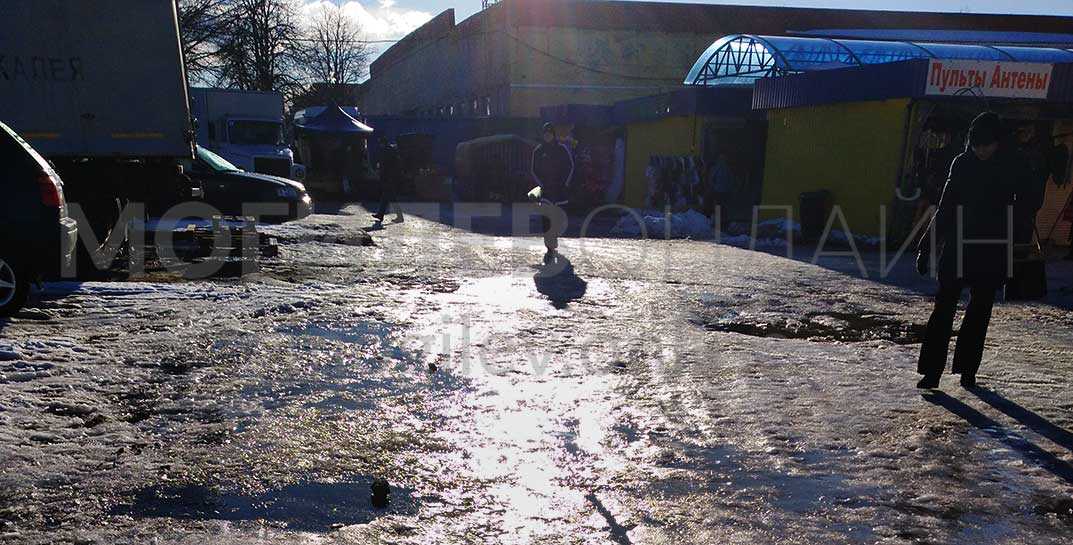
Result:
677,136
852,150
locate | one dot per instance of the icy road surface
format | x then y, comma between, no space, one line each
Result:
641,392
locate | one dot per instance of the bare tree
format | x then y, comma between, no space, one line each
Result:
260,50
202,26
334,54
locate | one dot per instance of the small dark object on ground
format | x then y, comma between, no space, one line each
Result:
381,493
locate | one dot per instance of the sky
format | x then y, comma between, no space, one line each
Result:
393,19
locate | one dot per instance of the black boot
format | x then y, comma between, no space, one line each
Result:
929,382
968,381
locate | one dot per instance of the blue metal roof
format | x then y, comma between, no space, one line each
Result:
741,59
580,114
1043,39
906,79
703,101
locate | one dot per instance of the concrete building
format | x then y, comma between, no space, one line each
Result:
519,55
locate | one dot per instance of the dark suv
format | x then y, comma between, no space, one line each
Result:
37,238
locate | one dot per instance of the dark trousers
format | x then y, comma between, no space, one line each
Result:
387,198
551,242
970,343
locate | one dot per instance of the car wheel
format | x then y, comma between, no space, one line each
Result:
14,287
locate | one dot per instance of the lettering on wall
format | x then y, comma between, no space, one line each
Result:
34,68
990,78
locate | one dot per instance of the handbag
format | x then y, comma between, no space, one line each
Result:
1029,280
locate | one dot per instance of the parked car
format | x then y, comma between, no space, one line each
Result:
37,237
228,188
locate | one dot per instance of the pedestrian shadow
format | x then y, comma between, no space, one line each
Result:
1046,460
558,282
1027,418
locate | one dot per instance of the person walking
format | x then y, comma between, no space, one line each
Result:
552,169
391,177
973,226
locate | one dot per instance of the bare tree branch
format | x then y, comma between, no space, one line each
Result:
334,54
202,25
260,51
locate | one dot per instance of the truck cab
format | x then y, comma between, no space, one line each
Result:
246,129
255,145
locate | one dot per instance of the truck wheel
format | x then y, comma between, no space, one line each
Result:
14,287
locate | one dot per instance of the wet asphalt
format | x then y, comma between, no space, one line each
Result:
627,391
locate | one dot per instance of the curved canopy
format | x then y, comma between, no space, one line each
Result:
741,59
333,119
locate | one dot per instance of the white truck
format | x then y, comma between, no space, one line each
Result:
246,128
98,87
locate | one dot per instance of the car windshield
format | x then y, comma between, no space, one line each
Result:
217,163
255,133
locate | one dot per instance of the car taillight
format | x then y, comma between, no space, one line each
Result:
50,192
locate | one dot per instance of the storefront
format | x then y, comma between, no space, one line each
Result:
675,142
880,138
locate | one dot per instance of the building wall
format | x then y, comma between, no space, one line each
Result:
674,136
567,65
523,54
443,68
852,150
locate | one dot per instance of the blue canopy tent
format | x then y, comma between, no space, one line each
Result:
335,149
333,120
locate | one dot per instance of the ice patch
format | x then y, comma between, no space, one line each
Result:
8,353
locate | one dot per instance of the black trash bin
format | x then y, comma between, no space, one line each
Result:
815,209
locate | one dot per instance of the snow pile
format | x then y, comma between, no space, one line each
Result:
745,241
774,233
689,224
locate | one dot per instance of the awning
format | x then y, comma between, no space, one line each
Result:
334,120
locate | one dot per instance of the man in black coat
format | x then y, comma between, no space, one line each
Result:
974,228
391,177
552,168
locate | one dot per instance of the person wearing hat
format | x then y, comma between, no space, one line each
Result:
552,169
975,207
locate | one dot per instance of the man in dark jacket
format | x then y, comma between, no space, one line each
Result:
391,177
552,168
974,227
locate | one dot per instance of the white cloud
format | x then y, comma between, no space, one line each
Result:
383,21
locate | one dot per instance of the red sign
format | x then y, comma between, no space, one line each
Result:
989,78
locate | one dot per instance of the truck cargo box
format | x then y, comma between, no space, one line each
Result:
95,78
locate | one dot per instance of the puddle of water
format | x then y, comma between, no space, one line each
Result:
311,506
821,327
